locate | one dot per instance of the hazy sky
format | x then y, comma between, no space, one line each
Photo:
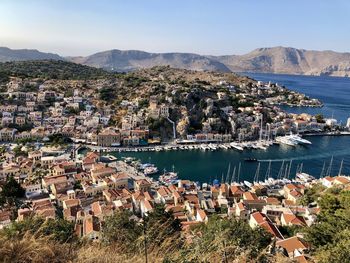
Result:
82,27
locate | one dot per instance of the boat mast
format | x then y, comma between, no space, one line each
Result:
285,171
290,166
341,167
228,173
267,175
261,126
323,170
256,177
280,172
329,170
233,175
239,172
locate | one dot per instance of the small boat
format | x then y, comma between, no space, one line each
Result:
168,177
150,170
248,184
250,160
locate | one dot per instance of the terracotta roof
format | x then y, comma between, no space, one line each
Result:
258,217
293,243
249,196
272,229
293,219
201,214
236,190
342,180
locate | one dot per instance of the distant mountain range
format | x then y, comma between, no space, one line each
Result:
269,60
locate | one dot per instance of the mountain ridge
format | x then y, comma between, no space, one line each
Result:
279,60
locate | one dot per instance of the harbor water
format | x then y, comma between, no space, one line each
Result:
205,166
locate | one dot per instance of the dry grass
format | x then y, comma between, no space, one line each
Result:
33,249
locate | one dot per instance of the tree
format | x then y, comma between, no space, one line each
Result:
121,231
12,189
319,118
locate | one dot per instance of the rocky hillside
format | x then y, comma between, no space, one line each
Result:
133,59
290,61
7,54
269,60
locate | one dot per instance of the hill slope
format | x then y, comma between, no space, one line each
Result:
7,54
270,60
49,69
133,59
290,61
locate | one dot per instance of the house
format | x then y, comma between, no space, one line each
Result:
240,211
259,219
293,246
146,207
108,137
201,216
292,220
327,181
5,218
142,185
91,227
341,180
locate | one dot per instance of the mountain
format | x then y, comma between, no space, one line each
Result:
7,54
133,59
269,60
290,61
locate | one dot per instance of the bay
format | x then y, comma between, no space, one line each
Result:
206,166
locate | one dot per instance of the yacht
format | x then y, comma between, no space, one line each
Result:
298,139
150,170
236,146
287,141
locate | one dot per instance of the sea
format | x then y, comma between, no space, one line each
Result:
325,153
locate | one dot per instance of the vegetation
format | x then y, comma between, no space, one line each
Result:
330,236
49,69
319,118
59,139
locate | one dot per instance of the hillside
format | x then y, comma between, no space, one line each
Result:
290,61
49,69
7,54
269,60
133,59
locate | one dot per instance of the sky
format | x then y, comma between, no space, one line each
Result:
210,27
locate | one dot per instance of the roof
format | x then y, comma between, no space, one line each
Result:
249,196
293,219
293,243
236,190
272,229
258,217
201,213
342,180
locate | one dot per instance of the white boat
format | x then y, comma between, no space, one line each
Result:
150,170
298,139
305,177
248,184
168,178
236,146
287,141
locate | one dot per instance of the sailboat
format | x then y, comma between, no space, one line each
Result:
233,176
341,167
329,169
257,173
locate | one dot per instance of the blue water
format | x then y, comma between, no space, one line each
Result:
202,166
334,92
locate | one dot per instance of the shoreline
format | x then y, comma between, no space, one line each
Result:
204,146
